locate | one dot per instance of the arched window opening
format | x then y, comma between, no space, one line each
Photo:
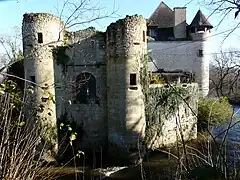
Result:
85,88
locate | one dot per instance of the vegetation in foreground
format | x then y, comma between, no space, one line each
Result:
212,112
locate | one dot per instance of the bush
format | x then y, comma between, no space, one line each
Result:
24,153
212,112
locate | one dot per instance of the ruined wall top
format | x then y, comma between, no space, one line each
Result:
40,17
88,33
128,21
126,36
126,25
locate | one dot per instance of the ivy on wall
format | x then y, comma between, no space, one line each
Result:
161,102
61,57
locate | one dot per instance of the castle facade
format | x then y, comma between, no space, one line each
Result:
94,77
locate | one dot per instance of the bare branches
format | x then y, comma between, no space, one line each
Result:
224,7
225,74
83,12
12,51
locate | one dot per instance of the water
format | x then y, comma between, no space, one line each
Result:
232,137
158,166
237,110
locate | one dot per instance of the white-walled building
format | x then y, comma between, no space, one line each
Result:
175,45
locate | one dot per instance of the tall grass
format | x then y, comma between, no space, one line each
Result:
207,157
21,151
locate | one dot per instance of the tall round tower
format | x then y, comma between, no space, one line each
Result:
41,33
125,51
199,32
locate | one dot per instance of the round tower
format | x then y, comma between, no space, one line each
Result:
201,64
41,33
126,48
199,31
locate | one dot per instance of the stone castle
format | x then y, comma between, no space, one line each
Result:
94,77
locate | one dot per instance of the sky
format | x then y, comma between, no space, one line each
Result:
11,13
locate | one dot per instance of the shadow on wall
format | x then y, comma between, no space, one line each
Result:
74,132
69,133
17,69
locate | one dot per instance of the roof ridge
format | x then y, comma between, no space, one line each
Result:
162,7
162,2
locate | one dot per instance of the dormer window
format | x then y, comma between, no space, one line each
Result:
201,28
193,30
40,38
152,33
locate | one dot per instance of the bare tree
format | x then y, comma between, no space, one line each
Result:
225,9
225,6
74,13
12,48
83,12
225,74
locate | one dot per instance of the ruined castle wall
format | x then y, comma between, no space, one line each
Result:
126,47
184,55
41,32
87,52
173,117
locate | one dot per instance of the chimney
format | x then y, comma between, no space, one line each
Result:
180,25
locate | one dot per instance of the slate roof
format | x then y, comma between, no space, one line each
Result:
200,21
162,17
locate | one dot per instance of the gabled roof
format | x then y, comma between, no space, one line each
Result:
162,17
200,21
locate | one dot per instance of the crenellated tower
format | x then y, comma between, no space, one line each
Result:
125,51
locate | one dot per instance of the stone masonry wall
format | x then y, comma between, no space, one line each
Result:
117,114
86,55
168,115
39,62
126,47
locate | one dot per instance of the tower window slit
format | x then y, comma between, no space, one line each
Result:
133,79
144,36
40,38
200,53
32,79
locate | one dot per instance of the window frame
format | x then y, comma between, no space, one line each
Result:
85,89
200,53
144,36
133,82
40,37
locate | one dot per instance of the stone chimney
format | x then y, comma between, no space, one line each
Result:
180,25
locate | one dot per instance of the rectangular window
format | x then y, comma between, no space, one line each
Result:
133,79
200,53
152,33
193,30
144,36
40,38
92,43
32,79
